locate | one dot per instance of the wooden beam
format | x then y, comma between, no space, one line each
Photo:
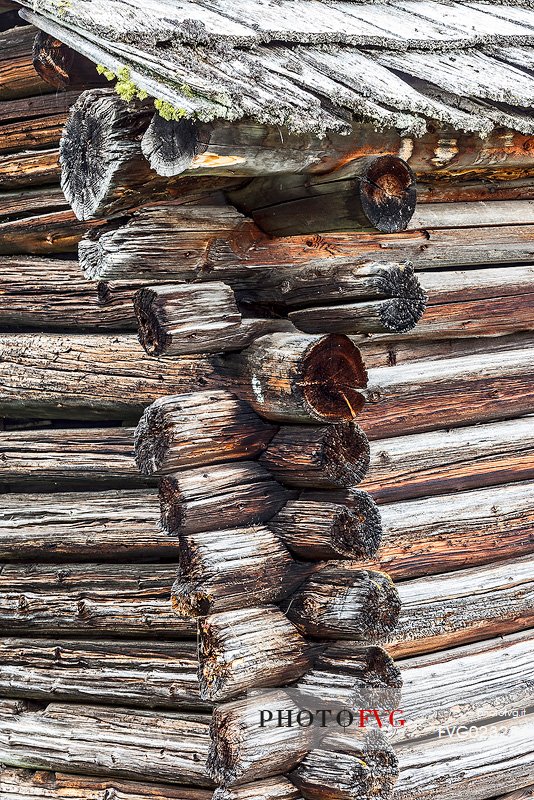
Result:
29,168
17,75
42,233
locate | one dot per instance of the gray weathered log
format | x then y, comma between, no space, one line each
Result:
224,570
129,743
269,789
300,377
218,497
246,649
326,456
196,429
320,529
111,600
89,376
345,602
395,315
444,611
137,673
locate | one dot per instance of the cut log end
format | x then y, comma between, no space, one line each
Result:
407,302
346,455
152,335
170,145
333,372
52,60
388,194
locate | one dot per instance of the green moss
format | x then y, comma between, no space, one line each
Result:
107,73
168,111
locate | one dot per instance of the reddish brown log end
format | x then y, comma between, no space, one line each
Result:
62,67
152,335
332,374
387,192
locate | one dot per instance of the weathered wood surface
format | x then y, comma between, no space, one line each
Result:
458,459
20,784
299,377
42,234
198,428
496,760
427,395
129,743
477,284
427,536
29,168
239,742
31,134
218,497
45,105
111,600
395,315
269,789
119,525
345,602
62,67
471,191
230,569
444,611
486,680
62,458
27,202
17,75
247,649
320,528
89,376
46,293
323,456
111,673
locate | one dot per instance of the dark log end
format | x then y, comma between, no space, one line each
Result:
374,674
388,194
172,512
357,532
384,604
152,439
152,335
333,372
407,301
170,145
346,457
53,61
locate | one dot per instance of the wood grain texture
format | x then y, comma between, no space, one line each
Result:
17,75
269,789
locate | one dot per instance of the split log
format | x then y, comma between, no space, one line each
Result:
251,648
191,318
352,676
62,458
300,378
226,570
49,293
42,234
197,429
444,461
20,784
62,67
240,740
218,497
89,376
345,602
427,395
496,759
111,600
118,525
423,537
112,673
359,766
319,529
270,789
17,75
31,168
448,610
465,685
381,195
106,741
326,456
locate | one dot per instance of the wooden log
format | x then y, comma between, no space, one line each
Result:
359,765
20,784
427,395
197,429
191,318
28,202
325,456
269,789
45,105
452,460
17,75
472,191
345,602
300,378
456,608
218,497
240,740
108,600
423,537
62,67
30,168
106,741
462,686
396,315
250,648
226,570
46,293
93,376
495,759
42,234
140,674
32,134
318,529
477,284
61,458
116,525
